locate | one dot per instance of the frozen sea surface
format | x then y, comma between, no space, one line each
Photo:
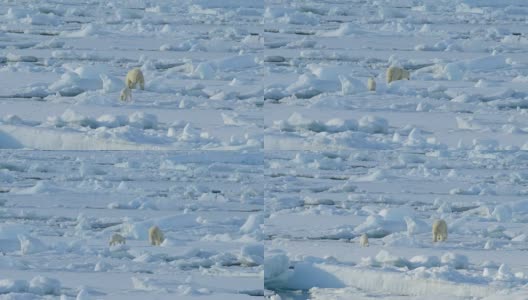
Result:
59,209
449,143
63,65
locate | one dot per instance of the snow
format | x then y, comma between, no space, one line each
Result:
252,224
64,206
67,56
39,285
258,150
447,144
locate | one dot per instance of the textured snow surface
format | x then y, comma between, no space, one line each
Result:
449,143
59,210
258,150
63,66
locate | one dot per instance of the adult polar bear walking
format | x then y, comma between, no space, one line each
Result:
397,73
439,231
134,77
155,236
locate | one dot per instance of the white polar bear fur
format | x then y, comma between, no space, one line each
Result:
396,73
363,240
439,231
371,84
117,239
134,77
126,94
155,236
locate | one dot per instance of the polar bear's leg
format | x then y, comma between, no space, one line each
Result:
398,73
161,238
141,80
406,74
390,74
152,237
371,84
444,233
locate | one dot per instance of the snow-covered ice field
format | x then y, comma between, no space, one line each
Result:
468,73
319,203
59,209
449,143
63,65
284,157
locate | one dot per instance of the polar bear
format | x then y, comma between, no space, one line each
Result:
134,77
117,239
371,84
155,236
396,73
126,94
363,240
439,231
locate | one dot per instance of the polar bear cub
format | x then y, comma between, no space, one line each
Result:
371,84
439,231
396,73
155,236
117,239
134,77
126,94
363,240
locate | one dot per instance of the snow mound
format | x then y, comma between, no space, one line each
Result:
345,29
39,285
367,124
41,187
276,267
253,224
351,86
457,71
85,78
388,220
86,31
252,255
422,282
